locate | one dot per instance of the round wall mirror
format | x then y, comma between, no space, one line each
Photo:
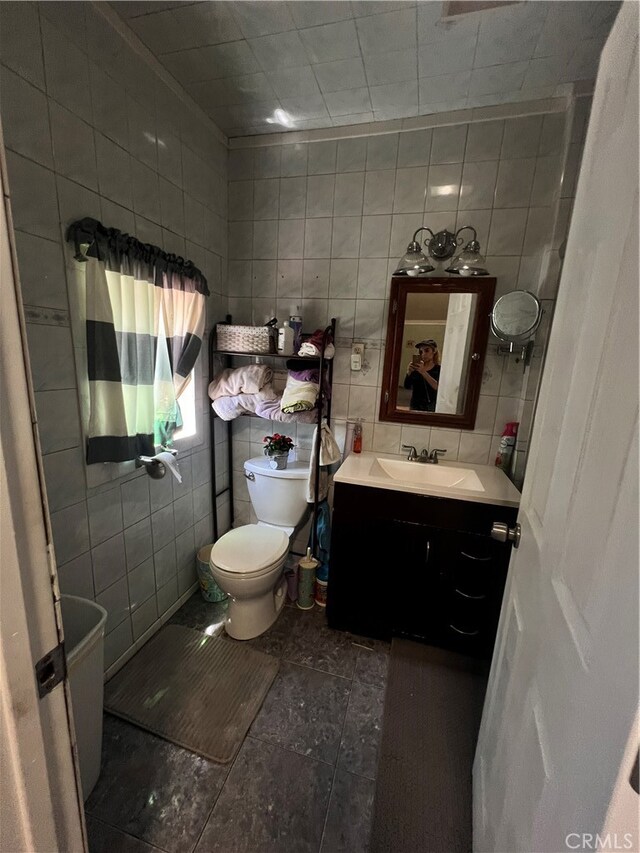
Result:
516,316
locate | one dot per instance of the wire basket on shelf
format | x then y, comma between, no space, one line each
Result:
243,338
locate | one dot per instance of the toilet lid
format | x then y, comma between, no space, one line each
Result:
249,549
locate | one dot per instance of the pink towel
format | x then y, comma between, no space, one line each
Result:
241,380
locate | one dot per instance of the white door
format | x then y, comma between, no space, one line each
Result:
563,689
41,809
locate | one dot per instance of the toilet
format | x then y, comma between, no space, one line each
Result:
248,561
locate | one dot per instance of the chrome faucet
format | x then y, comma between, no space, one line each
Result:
432,458
413,453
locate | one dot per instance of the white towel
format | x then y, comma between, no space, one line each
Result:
329,454
312,349
242,380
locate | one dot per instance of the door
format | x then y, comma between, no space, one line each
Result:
41,806
563,689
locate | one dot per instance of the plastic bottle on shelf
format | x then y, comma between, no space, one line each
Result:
357,437
295,321
285,339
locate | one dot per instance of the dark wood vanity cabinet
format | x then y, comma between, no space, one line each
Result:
417,566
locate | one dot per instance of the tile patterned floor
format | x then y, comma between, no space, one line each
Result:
303,780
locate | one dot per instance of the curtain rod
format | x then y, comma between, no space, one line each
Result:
110,243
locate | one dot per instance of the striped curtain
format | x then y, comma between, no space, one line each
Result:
144,315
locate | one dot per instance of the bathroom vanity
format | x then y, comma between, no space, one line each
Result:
412,553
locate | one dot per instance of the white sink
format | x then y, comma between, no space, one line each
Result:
442,476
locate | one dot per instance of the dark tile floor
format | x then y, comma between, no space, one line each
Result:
303,780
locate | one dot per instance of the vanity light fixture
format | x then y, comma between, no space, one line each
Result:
441,247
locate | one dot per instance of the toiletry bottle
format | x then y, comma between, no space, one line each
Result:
357,438
295,321
285,339
306,581
348,439
506,446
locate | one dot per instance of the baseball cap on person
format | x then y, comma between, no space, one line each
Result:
428,343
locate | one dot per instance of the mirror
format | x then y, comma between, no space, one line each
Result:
515,316
436,340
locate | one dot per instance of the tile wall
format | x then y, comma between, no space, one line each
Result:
318,227
91,130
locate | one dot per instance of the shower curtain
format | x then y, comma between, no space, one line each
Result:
144,313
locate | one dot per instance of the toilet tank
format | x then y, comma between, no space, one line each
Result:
278,497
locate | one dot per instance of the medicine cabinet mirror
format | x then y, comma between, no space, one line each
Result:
437,334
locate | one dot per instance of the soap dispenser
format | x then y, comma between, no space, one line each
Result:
285,339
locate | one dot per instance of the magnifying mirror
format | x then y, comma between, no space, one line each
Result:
516,316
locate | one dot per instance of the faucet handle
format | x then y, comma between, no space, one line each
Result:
434,453
413,454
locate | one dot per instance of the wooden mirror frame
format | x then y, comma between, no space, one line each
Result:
484,288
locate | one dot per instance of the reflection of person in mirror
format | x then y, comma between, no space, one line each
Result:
422,377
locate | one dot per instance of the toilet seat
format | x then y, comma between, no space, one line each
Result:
251,550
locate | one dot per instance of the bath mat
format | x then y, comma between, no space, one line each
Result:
196,691
432,710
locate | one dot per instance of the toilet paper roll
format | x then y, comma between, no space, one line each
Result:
168,459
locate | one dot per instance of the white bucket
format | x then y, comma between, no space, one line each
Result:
83,622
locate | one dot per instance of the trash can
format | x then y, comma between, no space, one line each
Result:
83,622
208,587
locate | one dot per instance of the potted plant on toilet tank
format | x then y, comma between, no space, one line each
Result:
277,448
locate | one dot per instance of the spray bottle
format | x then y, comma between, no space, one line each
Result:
506,446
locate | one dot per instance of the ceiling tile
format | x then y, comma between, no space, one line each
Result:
355,118
234,90
293,82
445,88
389,32
446,57
349,101
262,19
545,71
498,78
316,12
511,36
403,97
394,67
432,29
284,50
305,108
331,41
143,7
204,24
362,8
340,75
209,63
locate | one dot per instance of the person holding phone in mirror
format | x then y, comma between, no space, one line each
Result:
422,377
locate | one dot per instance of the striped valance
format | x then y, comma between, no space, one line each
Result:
144,312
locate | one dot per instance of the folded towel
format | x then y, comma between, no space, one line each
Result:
271,410
228,408
298,396
308,348
329,454
242,380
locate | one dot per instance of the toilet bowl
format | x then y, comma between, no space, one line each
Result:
248,561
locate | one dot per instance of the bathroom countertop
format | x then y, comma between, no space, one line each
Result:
361,469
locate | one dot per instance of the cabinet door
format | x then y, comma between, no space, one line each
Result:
474,573
416,548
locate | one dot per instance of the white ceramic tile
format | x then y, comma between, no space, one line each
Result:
265,241
322,157
76,577
20,43
410,190
162,527
64,476
65,64
506,411
315,313
474,449
171,206
375,236
239,278
396,100
240,200
351,156
25,119
546,181
114,171
105,516
183,512
538,235
331,42
497,79
478,185
443,187
345,242
58,420
514,182
339,75
108,562
291,238
403,226
521,136
70,532
448,144
42,277
51,357
369,322
263,280
448,440
293,160
348,102
293,197
115,600
414,148
289,279
444,93
372,278
258,19
379,191
343,280
416,436
32,193
315,278
446,57
386,438
507,231
362,403
317,239
384,33
349,188
382,152
144,617
320,192
282,50
266,162
484,141
486,414
135,500
395,67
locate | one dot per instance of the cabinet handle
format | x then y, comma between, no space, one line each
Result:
473,597
465,633
471,557
428,552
